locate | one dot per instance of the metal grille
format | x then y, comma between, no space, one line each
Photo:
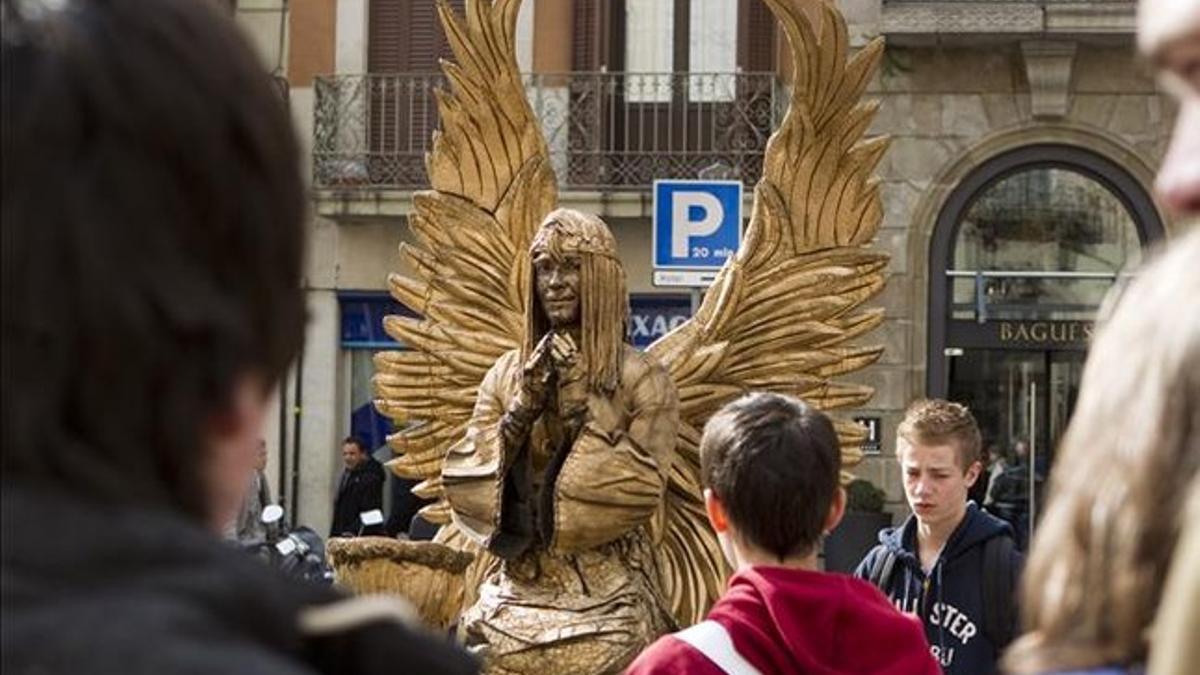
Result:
605,131
1013,2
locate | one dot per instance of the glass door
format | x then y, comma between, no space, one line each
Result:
1022,401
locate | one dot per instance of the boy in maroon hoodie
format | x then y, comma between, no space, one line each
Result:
770,466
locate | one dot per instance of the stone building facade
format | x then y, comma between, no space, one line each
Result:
973,93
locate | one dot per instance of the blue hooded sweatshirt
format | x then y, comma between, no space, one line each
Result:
949,600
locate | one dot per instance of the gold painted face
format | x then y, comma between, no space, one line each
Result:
558,287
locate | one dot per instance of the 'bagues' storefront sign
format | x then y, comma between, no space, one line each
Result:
1015,334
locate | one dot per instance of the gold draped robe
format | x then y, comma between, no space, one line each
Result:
569,515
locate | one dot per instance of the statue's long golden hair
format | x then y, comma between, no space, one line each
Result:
604,304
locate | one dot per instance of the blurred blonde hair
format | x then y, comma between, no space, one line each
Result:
1095,572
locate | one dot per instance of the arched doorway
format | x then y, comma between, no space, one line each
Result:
1024,251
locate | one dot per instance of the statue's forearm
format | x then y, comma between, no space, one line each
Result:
515,426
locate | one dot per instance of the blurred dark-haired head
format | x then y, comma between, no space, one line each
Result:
773,462
152,246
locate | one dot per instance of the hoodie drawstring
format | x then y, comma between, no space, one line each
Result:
941,624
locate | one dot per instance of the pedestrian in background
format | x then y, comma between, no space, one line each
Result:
1009,494
360,490
249,527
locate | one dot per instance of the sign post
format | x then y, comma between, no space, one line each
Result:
697,227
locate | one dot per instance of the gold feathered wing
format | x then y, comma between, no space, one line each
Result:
492,185
782,313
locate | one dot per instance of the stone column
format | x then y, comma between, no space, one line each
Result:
322,423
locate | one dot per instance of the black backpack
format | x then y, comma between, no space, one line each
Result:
997,583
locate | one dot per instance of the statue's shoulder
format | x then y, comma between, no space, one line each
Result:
638,366
508,363
507,360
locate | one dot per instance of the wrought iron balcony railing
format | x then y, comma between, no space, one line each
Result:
1013,2
605,131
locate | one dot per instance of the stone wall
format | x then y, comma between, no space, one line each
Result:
948,110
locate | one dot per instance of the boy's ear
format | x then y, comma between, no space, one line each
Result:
972,473
716,512
837,509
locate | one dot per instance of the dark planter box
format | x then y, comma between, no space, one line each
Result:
857,534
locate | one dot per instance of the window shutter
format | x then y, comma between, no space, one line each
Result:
756,37
424,38
584,55
403,37
385,35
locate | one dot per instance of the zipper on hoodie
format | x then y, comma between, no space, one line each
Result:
926,583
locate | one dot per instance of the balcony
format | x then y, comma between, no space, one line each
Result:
607,132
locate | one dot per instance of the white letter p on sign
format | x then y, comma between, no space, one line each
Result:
683,228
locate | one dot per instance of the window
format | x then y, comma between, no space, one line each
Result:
1023,253
712,50
1043,242
362,337
650,49
525,36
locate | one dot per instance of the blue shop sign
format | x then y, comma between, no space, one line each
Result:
650,317
362,319
653,316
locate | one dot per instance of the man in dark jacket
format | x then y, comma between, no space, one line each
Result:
152,255
950,563
359,491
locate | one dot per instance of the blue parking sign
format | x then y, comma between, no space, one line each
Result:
697,223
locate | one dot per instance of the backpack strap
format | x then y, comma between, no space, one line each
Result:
998,590
713,641
881,570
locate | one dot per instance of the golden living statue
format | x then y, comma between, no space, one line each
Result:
563,466
562,458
